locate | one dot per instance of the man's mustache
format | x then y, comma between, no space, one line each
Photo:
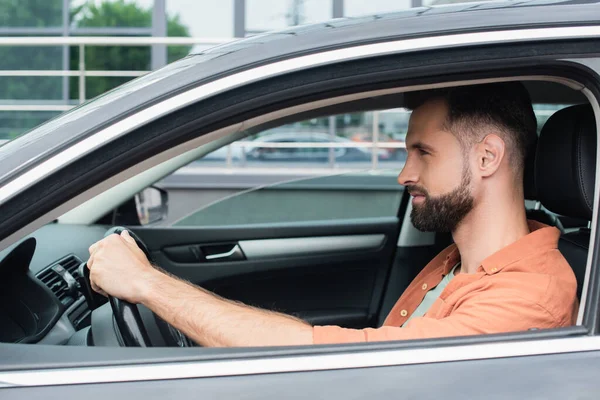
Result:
415,190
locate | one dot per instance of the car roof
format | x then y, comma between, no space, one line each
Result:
262,49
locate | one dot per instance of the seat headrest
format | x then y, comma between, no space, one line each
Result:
565,162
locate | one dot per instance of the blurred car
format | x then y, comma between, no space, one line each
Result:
393,153
299,150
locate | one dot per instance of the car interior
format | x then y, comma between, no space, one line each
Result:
340,272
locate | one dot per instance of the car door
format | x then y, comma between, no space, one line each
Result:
323,273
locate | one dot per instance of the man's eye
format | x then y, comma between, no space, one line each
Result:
423,152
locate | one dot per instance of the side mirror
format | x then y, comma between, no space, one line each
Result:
152,205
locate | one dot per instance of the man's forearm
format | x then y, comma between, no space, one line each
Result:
213,321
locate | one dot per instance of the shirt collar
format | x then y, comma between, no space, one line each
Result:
451,259
541,237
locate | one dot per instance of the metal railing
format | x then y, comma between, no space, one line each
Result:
82,42
374,146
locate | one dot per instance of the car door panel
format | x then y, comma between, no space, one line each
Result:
423,381
324,272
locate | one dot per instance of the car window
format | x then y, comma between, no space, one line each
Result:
312,170
337,167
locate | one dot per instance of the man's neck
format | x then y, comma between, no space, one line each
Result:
487,230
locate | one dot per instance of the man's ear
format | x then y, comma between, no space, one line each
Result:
490,153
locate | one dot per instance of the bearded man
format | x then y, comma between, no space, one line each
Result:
466,158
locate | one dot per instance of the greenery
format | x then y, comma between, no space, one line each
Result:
30,13
48,14
119,13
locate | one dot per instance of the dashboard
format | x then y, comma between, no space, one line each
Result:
40,300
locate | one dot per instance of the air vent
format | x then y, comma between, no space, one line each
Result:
71,264
55,282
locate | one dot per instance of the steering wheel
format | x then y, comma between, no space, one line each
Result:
127,315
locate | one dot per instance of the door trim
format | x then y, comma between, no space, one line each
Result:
296,247
286,364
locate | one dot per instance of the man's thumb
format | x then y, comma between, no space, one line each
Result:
125,235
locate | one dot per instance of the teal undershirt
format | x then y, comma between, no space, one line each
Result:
432,295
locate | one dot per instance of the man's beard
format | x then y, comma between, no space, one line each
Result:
443,213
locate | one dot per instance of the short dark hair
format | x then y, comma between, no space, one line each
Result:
505,107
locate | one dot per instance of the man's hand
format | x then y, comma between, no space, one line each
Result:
118,267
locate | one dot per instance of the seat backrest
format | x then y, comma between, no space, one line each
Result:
530,193
564,173
574,247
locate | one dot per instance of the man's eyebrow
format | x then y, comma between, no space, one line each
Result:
421,146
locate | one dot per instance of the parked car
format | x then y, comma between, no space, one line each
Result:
294,147
258,151
395,152
65,184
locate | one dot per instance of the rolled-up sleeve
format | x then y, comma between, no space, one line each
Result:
497,312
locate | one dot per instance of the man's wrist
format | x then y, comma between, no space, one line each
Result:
148,284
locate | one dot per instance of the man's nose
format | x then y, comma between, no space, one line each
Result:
408,175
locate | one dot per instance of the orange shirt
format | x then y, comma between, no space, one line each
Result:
527,284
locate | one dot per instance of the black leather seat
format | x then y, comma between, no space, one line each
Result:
564,174
530,193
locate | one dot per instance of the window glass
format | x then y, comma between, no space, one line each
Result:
337,142
318,169
325,198
313,170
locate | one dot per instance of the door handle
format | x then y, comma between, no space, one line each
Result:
235,254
